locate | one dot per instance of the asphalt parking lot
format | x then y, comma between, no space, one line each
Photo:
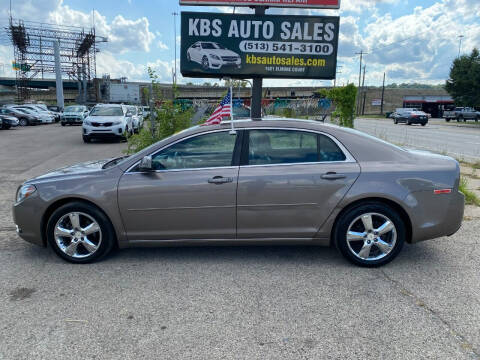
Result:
224,302
460,140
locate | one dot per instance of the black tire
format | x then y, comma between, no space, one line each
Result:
6,126
188,56
205,63
63,124
408,122
346,218
395,121
23,122
477,118
423,124
108,238
86,139
447,120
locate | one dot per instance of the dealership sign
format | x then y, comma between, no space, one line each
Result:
319,4
244,46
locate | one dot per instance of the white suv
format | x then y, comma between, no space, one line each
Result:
107,121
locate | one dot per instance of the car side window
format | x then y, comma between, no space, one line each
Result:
203,151
329,150
281,147
291,146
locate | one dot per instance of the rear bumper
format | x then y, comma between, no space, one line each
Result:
435,216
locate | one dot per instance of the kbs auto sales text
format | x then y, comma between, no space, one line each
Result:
304,31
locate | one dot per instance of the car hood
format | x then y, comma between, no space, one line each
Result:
77,170
222,52
104,119
73,113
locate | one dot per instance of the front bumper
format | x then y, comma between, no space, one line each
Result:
27,219
72,120
103,132
217,64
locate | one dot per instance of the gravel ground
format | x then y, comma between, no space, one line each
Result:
225,302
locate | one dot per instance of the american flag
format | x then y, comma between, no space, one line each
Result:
222,110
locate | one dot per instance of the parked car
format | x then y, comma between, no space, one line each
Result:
44,117
54,108
42,109
23,117
212,55
410,116
137,119
107,121
466,113
8,121
74,115
272,181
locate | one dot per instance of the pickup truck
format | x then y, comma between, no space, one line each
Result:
462,114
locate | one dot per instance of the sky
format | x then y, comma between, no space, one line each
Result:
411,41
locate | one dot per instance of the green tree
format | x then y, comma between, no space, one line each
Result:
166,118
464,82
344,100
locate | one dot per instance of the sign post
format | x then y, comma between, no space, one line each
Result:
257,84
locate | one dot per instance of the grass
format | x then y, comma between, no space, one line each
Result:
470,197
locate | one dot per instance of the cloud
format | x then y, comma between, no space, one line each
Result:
161,45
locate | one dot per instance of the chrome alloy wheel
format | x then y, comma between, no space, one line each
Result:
371,236
78,235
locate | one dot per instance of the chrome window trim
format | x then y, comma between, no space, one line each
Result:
175,142
348,156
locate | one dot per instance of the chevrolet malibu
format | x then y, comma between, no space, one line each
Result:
271,182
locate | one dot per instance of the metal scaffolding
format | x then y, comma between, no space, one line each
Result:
34,53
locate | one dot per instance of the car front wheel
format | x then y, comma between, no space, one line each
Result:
80,233
23,122
370,235
205,62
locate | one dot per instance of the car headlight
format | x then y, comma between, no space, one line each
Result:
86,122
24,192
117,123
215,57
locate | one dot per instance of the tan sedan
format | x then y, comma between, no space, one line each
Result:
272,182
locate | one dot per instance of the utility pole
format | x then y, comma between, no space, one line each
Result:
175,14
58,74
383,95
361,53
460,38
363,90
336,72
256,108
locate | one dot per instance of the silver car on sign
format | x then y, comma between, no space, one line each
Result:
272,182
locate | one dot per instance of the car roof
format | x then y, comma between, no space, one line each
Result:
109,105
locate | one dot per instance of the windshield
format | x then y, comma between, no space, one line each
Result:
207,45
26,111
107,111
74,109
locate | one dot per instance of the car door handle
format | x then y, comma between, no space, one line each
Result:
220,180
333,176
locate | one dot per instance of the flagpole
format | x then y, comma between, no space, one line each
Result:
232,131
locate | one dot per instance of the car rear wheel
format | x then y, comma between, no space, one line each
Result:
63,124
80,233
447,120
395,121
23,122
370,235
423,124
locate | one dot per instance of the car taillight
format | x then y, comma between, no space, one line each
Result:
442,191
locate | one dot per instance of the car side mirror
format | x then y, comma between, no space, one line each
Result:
146,164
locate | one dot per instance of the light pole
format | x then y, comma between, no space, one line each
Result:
460,38
175,14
